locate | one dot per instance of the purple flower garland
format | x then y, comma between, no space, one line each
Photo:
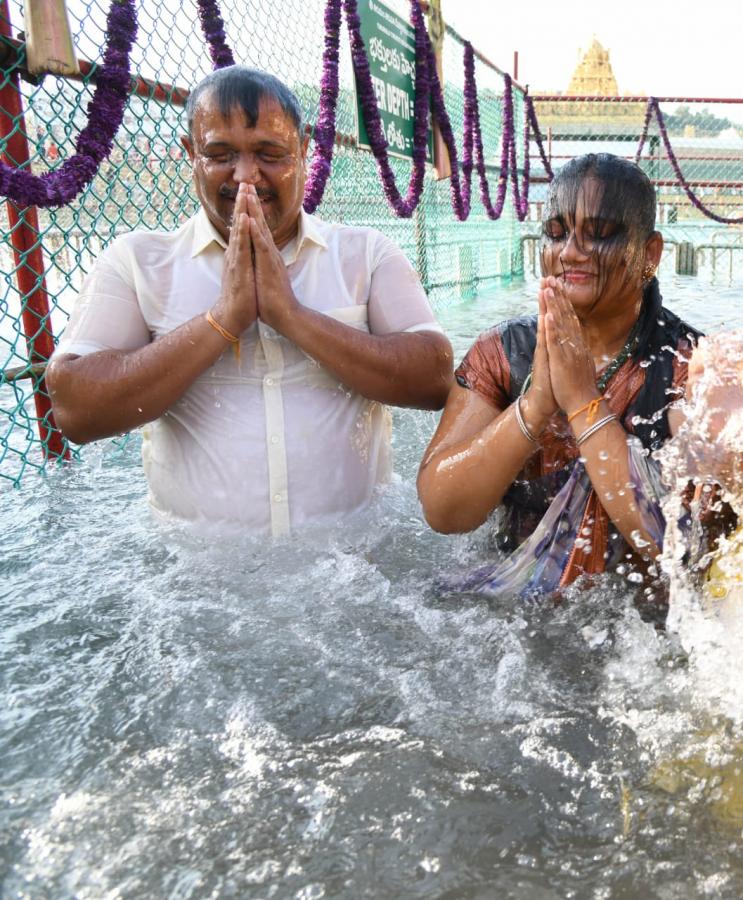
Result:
520,195
508,163
325,135
460,202
95,141
324,131
531,113
106,110
427,91
447,135
645,128
473,128
654,107
212,26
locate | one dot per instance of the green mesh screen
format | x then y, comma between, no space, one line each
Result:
146,181
707,141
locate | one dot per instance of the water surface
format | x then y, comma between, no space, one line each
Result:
190,716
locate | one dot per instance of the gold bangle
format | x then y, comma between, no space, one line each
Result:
228,336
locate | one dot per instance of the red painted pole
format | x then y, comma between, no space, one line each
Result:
142,87
26,242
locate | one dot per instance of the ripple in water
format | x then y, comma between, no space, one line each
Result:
194,716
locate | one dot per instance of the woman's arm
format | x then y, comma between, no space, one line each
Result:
606,458
605,451
479,449
474,456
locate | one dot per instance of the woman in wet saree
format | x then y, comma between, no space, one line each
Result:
554,418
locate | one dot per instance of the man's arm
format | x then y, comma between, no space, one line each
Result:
112,391
400,368
404,369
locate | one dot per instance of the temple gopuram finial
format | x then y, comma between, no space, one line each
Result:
594,75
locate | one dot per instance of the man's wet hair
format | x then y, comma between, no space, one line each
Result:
243,87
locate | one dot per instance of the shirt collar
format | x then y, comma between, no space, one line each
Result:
309,231
204,234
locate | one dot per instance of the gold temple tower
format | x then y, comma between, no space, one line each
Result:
594,74
592,77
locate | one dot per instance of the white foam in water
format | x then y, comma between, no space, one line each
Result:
709,446
195,716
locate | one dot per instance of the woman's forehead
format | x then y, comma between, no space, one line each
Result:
592,200
579,199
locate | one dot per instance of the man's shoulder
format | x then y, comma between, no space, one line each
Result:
349,231
143,244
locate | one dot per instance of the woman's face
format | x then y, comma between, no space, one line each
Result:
592,254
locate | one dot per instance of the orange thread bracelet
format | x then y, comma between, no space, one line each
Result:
228,336
593,408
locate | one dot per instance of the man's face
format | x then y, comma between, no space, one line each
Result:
226,152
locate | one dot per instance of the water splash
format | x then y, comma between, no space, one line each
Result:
706,605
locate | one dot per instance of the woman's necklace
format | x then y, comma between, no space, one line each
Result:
614,366
619,360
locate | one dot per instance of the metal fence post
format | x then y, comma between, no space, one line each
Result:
29,262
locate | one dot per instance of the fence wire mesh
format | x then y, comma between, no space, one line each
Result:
706,141
145,183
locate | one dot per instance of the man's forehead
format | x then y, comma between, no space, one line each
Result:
270,113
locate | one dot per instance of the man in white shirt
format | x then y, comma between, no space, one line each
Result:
257,344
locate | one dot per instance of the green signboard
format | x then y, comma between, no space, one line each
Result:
390,48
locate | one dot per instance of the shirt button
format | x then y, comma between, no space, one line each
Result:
277,498
274,438
268,381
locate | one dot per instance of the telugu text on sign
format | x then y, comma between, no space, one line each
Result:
390,47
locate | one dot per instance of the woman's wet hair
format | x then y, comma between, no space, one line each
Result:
243,87
623,214
620,201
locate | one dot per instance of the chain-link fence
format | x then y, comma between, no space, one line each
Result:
145,183
694,147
